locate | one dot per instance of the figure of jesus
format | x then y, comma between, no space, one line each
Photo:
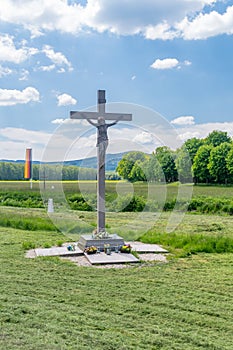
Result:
102,137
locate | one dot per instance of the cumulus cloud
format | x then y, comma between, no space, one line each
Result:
154,19
14,97
202,130
18,52
166,63
9,52
66,100
56,57
184,120
24,74
15,141
5,71
207,25
47,68
24,135
58,121
143,137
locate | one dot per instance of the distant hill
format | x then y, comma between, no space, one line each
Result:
111,162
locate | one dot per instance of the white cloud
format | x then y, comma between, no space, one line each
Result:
202,130
9,52
207,25
5,71
24,74
66,100
166,63
143,137
58,121
24,135
184,120
47,68
189,135
161,31
61,70
56,57
14,97
16,140
122,139
154,19
187,63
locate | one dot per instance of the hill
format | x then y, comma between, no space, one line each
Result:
111,162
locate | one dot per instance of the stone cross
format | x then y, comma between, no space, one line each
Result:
102,143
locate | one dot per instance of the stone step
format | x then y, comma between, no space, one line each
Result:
57,251
114,258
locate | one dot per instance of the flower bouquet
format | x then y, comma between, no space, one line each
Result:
91,250
126,248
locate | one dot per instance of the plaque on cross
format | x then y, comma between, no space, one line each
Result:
99,122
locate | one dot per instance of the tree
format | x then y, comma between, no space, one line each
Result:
126,164
153,169
216,138
183,166
229,161
137,173
165,157
200,168
192,145
218,163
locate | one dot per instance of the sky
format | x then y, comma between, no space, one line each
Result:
173,57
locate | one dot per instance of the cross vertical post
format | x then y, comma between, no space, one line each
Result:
101,172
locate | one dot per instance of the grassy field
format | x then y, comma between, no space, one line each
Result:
219,191
49,303
52,304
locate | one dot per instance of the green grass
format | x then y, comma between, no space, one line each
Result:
49,303
220,191
120,196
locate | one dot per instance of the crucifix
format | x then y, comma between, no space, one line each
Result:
102,143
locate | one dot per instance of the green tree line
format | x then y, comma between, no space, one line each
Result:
15,171
207,160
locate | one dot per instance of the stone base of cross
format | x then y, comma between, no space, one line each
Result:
102,142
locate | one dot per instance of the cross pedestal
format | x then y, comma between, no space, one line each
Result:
102,142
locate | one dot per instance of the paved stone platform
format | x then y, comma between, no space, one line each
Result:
147,248
57,251
100,258
114,258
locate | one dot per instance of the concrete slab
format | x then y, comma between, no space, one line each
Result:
146,248
57,251
88,241
114,258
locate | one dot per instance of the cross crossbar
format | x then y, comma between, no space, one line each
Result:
96,115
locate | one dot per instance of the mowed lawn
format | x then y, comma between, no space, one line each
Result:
170,190
50,303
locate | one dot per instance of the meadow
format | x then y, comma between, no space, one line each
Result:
50,303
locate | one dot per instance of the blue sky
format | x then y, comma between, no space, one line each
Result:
174,57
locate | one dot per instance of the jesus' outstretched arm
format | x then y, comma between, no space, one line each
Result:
91,122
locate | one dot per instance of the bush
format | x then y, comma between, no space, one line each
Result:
77,202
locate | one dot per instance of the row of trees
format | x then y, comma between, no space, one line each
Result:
15,171
208,160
